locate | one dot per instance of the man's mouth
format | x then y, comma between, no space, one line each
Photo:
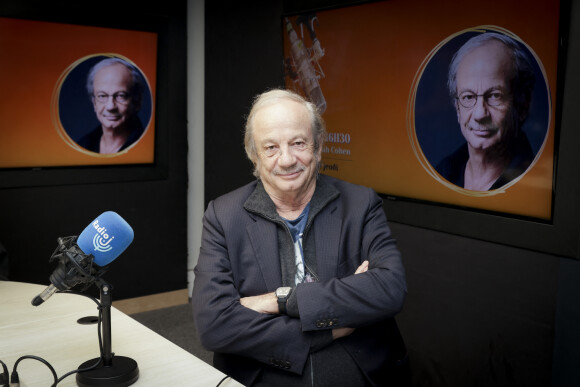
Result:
483,132
289,174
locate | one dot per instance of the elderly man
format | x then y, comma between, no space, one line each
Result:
298,279
491,82
115,88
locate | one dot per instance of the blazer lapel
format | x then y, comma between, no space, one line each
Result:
264,240
327,230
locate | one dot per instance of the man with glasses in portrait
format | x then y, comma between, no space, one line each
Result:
116,90
491,81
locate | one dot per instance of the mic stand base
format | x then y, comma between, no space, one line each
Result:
122,372
113,371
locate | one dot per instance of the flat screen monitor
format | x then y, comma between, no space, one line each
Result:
380,73
78,97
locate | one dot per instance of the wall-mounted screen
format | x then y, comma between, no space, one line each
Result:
76,95
433,101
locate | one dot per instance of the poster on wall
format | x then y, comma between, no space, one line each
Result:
431,102
76,95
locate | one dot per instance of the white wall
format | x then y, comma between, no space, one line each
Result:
195,130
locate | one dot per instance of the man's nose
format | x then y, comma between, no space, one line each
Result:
111,104
287,157
480,110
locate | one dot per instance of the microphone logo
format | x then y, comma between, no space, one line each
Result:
101,244
102,240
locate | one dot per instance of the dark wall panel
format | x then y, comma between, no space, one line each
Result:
243,58
477,313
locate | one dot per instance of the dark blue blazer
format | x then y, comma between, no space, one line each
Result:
239,257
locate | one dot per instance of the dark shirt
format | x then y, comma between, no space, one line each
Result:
92,140
452,167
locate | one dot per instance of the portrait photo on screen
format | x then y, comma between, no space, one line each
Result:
104,105
482,110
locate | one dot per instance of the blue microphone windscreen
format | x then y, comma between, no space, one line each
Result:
106,237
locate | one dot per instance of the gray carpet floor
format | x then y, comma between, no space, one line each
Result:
176,324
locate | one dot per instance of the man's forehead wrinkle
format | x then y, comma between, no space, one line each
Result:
274,122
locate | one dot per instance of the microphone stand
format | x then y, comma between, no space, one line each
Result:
118,371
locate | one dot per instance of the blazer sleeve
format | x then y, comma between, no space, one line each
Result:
357,300
226,326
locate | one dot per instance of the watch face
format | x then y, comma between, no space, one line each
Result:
282,292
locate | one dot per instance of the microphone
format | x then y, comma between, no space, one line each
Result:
85,259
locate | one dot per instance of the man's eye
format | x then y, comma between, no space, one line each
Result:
495,96
467,97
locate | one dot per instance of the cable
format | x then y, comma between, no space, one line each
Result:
14,378
221,381
81,294
4,378
98,362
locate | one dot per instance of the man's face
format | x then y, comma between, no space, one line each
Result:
111,96
284,142
485,72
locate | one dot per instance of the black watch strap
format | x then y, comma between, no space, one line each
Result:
282,295
282,305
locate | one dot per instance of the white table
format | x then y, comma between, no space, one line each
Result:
51,331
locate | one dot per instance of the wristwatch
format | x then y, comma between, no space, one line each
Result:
282,295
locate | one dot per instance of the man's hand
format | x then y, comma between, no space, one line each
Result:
337,333
362,268
265,303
